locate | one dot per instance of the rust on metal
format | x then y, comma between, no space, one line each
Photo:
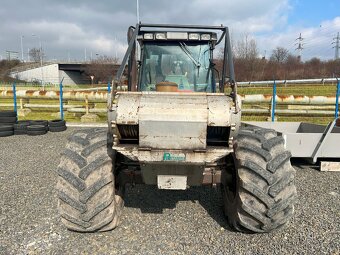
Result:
299,97
211,177
67,94
135,176
288,99
28,92
102,96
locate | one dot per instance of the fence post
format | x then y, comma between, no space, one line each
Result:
86,105
273,102
337,99
61,99
15,97
21,104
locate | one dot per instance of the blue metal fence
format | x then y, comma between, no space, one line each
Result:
108,87
337,99
15,97
274,101
61,99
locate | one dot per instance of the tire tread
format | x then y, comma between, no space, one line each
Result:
268,206
84,171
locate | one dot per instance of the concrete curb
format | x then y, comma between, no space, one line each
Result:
77,124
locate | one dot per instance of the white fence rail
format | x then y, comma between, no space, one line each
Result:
288,82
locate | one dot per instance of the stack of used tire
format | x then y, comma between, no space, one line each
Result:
10,126
7,120
57,125
20,128
37,127
40,127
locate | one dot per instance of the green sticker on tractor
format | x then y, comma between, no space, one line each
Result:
173,157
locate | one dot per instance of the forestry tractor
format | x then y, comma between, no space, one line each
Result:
176,125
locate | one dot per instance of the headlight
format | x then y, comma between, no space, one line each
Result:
194,36
148,36
205,37
160,36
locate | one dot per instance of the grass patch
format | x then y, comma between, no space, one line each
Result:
306,90
315,120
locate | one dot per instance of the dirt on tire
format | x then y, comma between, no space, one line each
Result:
87,200
264,193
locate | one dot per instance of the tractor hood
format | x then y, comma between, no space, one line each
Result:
172,120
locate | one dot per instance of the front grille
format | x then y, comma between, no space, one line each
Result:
218,136
129,134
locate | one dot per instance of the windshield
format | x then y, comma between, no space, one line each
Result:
184,63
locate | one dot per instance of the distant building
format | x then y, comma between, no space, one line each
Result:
73,74
12,55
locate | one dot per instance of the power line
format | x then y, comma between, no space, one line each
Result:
318,46
314,43
299,46
330,28
318,39
322,52
336,47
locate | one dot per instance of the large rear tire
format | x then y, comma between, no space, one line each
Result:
88,201
259,192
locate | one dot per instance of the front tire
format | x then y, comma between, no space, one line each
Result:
87,199
259,194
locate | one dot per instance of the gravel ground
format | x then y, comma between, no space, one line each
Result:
154,221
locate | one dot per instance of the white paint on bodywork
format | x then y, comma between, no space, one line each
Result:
219,111
172,121
127,106
210,155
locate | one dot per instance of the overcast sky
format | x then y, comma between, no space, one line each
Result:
67,28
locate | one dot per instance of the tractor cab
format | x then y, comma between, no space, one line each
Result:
177,58
177,61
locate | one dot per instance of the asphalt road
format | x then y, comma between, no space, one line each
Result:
154,221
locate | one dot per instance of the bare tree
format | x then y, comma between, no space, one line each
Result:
35,54
247,59
246,48
282,64
293,67
279,55
5,69
102,68
292,60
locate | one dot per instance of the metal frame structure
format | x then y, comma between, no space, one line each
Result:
305,140
132,38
